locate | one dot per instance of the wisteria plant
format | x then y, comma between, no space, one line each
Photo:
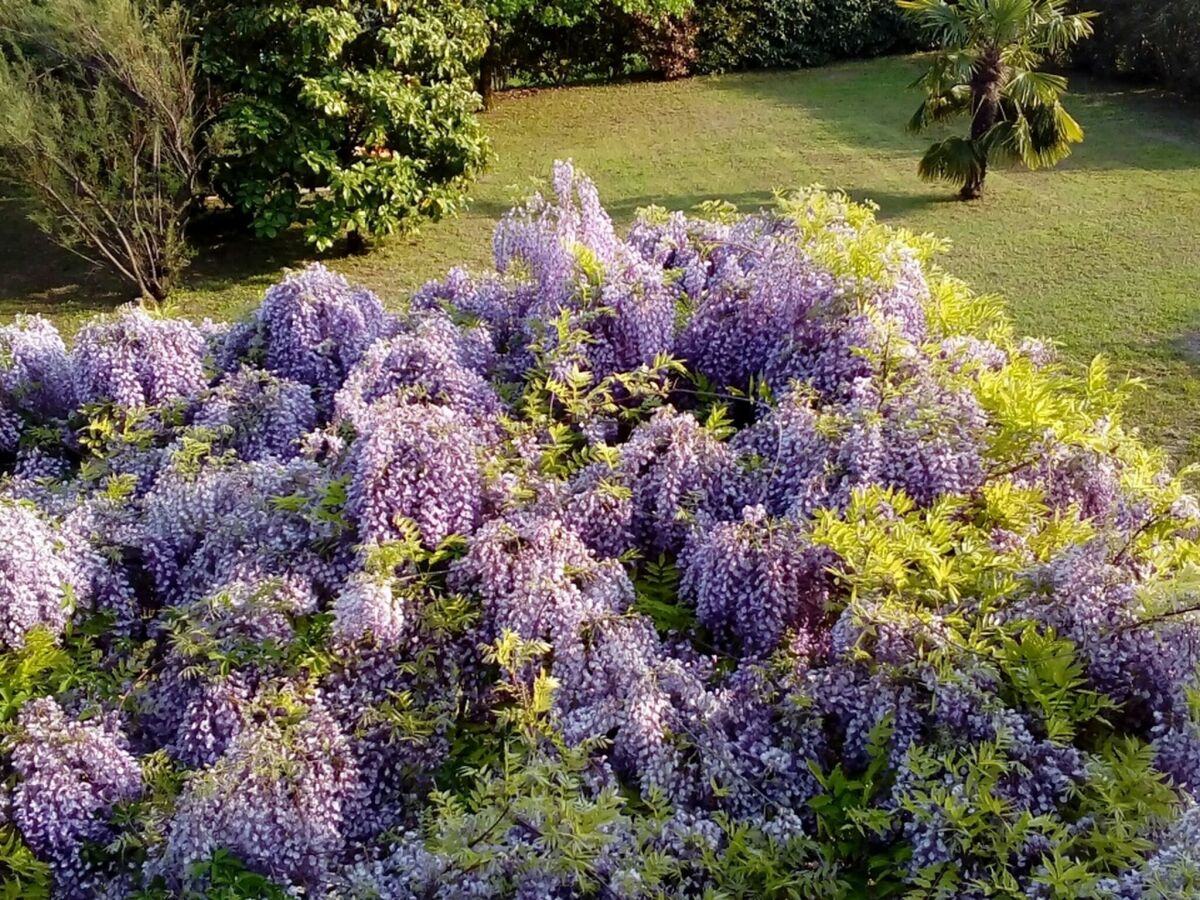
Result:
731,556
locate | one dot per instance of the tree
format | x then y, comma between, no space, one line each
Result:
987,68
349,116
1147,39
100,125
509,20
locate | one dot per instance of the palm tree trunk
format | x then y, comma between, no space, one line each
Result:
985,112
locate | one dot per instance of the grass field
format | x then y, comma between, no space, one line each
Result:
1101,254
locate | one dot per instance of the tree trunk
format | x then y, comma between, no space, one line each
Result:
356,244
157,289
489,70
985,113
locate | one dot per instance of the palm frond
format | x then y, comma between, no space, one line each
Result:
1052,132
1060,32
960,64
955,159
1021,56
1036,135
1009,142
1027,87
1008,20
940,108
943,21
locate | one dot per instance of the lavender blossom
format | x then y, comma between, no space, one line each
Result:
416,461
134,359
281,799
312,327
71,776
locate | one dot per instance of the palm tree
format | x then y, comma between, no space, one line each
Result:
986,67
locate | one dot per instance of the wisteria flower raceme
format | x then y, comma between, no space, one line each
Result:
136,360
259,414
39,582
72,774
35,376
313,328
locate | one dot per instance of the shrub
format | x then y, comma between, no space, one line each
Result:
669,38
99,129
572,40
739,34
1148,39
668,44
743,555
347,117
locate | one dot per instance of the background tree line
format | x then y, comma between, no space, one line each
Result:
1153,40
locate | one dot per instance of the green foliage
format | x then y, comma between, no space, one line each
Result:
545,795
347,116
605,39
225,877
741,34
986,69
221,877
574,12
537,783
751,865
934,574
100,126
38,668
193,636
657,587
571,39
854,832
22,875
1146,39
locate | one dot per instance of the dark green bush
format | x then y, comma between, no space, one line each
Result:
349,116
738,34
608,39
1156,40
597,44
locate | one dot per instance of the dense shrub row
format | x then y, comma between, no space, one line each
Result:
711,36
740,555
1157,40
739,34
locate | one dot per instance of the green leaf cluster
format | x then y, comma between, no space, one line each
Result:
346,116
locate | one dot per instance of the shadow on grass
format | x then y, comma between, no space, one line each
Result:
868,104
38,276
898,204
227,254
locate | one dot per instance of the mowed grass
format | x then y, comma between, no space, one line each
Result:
1101,254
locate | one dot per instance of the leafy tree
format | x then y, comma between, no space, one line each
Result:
99,129
987,68
349,116
509,20
1147,39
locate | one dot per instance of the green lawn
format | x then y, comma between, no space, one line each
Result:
1101,254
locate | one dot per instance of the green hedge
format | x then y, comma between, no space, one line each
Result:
741,34
716,36
1156,40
